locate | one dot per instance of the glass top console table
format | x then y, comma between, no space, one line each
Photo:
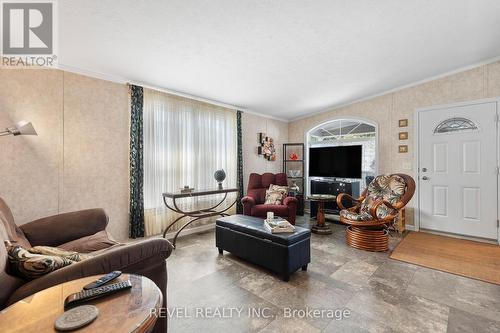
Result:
197,214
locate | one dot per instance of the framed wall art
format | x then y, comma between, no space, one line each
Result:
403,148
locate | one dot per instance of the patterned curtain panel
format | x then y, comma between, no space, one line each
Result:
239,206
136,162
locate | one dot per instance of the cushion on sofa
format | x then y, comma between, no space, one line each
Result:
275,195
54,251
142,258
273,187
40,260
98,241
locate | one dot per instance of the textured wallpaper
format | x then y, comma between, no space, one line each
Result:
79,159
386,110
252,162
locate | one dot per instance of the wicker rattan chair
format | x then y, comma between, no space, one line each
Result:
375,210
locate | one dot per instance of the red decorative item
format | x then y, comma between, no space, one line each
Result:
294,157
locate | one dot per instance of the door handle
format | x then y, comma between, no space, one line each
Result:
425,178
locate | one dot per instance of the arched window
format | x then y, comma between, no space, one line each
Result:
341,130
456,124
348,132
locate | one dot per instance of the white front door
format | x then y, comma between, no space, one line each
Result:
458,169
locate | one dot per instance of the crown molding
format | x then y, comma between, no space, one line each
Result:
406,86
122,80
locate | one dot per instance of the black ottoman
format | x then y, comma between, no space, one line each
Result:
247,238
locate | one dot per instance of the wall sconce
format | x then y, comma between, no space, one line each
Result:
21,128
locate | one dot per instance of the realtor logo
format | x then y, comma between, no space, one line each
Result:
27,28
28,33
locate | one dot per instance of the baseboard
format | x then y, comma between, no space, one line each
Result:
410,227
470,238
191,231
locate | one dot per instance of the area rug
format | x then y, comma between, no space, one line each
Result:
471,259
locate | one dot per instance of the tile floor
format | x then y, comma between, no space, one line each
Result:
351,291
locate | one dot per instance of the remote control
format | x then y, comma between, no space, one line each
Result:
87,295
103,280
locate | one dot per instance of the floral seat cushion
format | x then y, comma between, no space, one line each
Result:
389,188
354,216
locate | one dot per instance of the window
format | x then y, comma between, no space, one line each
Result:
185,142
348,131
341,130
456,124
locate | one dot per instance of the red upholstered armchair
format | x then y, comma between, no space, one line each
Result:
253,202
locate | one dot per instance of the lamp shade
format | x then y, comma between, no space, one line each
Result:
23,128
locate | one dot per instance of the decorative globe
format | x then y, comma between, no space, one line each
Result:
219,176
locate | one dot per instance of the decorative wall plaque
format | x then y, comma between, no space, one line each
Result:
266,147
403,135
403,148
403,122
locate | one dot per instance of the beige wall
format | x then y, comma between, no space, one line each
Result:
386,110
79,159
31,167
96,149
252,125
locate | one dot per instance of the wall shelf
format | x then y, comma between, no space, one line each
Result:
296,165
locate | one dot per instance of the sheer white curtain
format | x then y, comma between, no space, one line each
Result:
185,141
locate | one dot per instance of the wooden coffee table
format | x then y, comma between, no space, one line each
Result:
125,311
320,227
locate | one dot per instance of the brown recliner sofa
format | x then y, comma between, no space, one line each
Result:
82,231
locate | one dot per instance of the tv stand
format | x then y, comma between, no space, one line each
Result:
335,187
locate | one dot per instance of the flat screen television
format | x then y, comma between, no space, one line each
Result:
336,162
